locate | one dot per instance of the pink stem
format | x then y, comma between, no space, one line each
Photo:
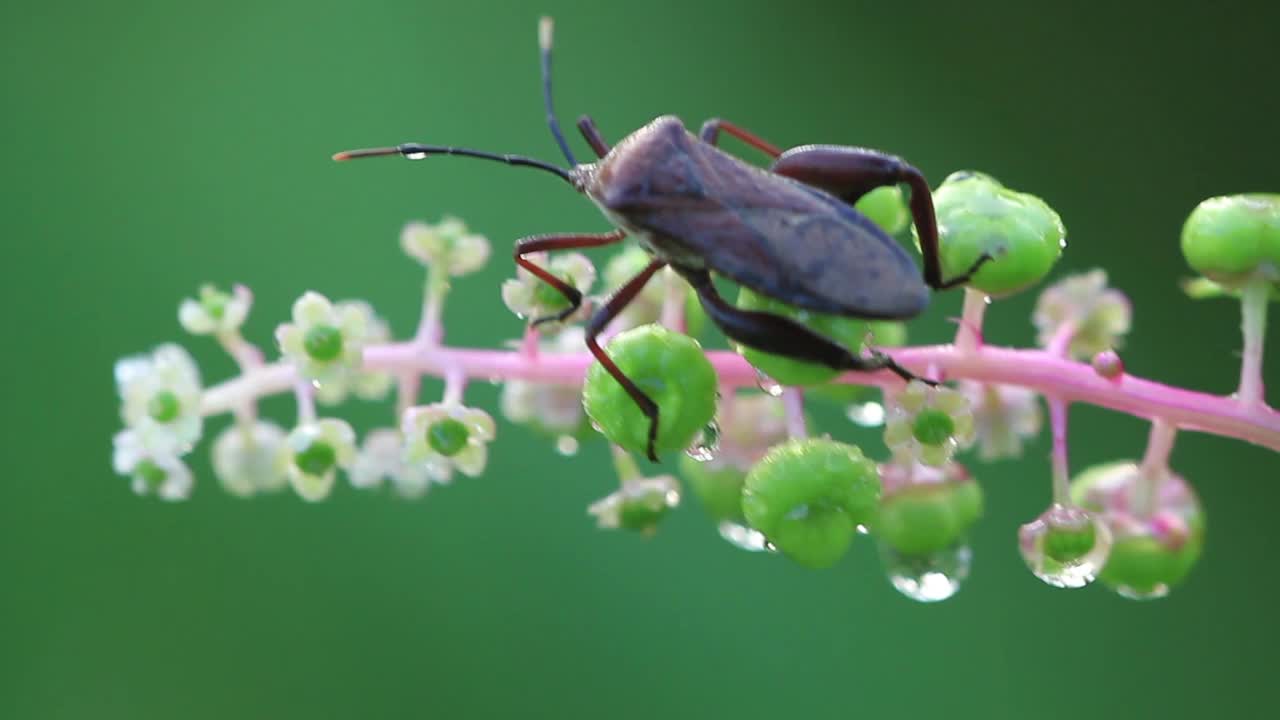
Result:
1253,325
1036,369
969,334
793,406
1061,471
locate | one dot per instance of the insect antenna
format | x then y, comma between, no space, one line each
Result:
417,151
545,26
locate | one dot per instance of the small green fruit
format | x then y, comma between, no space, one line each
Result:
977,214
718,486
886,208
672,370
1231,238
925,518
808,496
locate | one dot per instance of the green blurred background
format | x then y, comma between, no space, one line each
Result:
153,146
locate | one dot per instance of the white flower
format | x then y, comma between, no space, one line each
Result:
1003,416
164,475
382,458
215,312
638,505
325,342
928,424
317,449
441,437
528,296
161,399
366,384
1102,315
552,407
447,244
251,459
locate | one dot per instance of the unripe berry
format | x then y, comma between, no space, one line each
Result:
672,370
844,331
808,496
886,208
1229,239
977,214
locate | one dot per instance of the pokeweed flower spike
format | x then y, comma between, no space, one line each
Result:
530,298
317,449
160,400
928,424
767,485
443,437
447,245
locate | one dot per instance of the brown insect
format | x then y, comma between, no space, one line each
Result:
789,232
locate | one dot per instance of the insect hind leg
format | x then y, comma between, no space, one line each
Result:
782,336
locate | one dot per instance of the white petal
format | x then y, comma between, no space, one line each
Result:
126,452
194,319
312,488
518,297
289,338
471,460
479,422
372,385
311,309
177,484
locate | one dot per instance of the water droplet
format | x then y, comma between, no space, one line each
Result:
927,578
862,529
596,426
567,445
768,385
1065,546
416,155
1157,591
741,536
867,414
770,547
704,446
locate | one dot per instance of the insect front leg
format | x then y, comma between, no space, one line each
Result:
600,321
539,243
850,172
710,134
783,336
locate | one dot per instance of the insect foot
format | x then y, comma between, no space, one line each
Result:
671,371
809,496
977,217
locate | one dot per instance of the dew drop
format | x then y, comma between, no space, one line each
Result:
927,578
768,385
741,536
867,414
1156,592
1065,547
707,443
596,426
770,547
862,529
567,445
416,155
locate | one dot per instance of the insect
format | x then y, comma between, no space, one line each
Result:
788,232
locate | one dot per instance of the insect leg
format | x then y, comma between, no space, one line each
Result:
783,336
600,321
850,172
539,243
710,134
588,128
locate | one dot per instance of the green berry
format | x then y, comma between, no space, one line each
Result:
214,301
548,299
1231,238
672,370
316,459
884,333
1066,544
925,518
164,406
886,208
642,514
933,427
323,343
1141,565
808,496
447,436
844,331
719,487
977,214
